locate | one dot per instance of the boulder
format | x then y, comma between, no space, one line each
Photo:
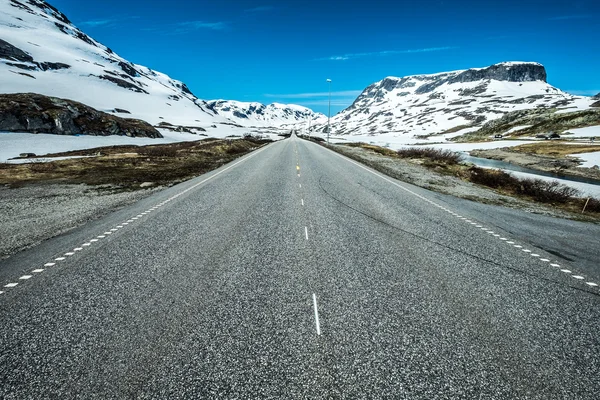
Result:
35,113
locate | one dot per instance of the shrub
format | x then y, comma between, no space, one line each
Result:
439,155
546,191
492,178
538,189
592,206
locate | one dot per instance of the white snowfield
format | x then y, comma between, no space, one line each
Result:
589,159
589,132
14,143
94,73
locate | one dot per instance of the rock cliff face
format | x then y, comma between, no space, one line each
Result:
34,113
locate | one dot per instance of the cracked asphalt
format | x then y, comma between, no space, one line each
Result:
208,293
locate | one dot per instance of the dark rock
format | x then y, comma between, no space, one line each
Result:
62,28
238,114
596,97
120,110
48,8
185,89
24,74
29,112
22,6
596,104
123,83
128,69
23,66
82,36
10,52
45,66
27,155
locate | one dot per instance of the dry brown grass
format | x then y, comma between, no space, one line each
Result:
129,166
557,149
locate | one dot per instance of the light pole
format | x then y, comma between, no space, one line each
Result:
329,112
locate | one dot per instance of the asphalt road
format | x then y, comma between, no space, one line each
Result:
297,273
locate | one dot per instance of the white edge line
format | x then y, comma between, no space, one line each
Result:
408,190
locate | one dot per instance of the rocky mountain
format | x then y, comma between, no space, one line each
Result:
451,103
42,52
257,114
35,113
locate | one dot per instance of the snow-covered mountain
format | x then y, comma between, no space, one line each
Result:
257,114
41,51
451,103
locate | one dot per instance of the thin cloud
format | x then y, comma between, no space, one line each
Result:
188,26
568,17
107,22
99,22
260,9
589,92
343,93
385,53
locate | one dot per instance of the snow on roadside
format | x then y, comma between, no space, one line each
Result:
589,159
590,131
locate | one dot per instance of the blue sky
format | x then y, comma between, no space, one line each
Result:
284,51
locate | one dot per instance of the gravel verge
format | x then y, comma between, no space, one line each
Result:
33,213
421,176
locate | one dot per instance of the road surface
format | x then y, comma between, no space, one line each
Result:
293,273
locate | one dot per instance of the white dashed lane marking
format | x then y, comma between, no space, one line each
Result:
130,221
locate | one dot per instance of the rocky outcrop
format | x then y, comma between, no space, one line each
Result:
35,113
10,52
510,72
123,83
596,97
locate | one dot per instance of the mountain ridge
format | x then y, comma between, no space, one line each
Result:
450,103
